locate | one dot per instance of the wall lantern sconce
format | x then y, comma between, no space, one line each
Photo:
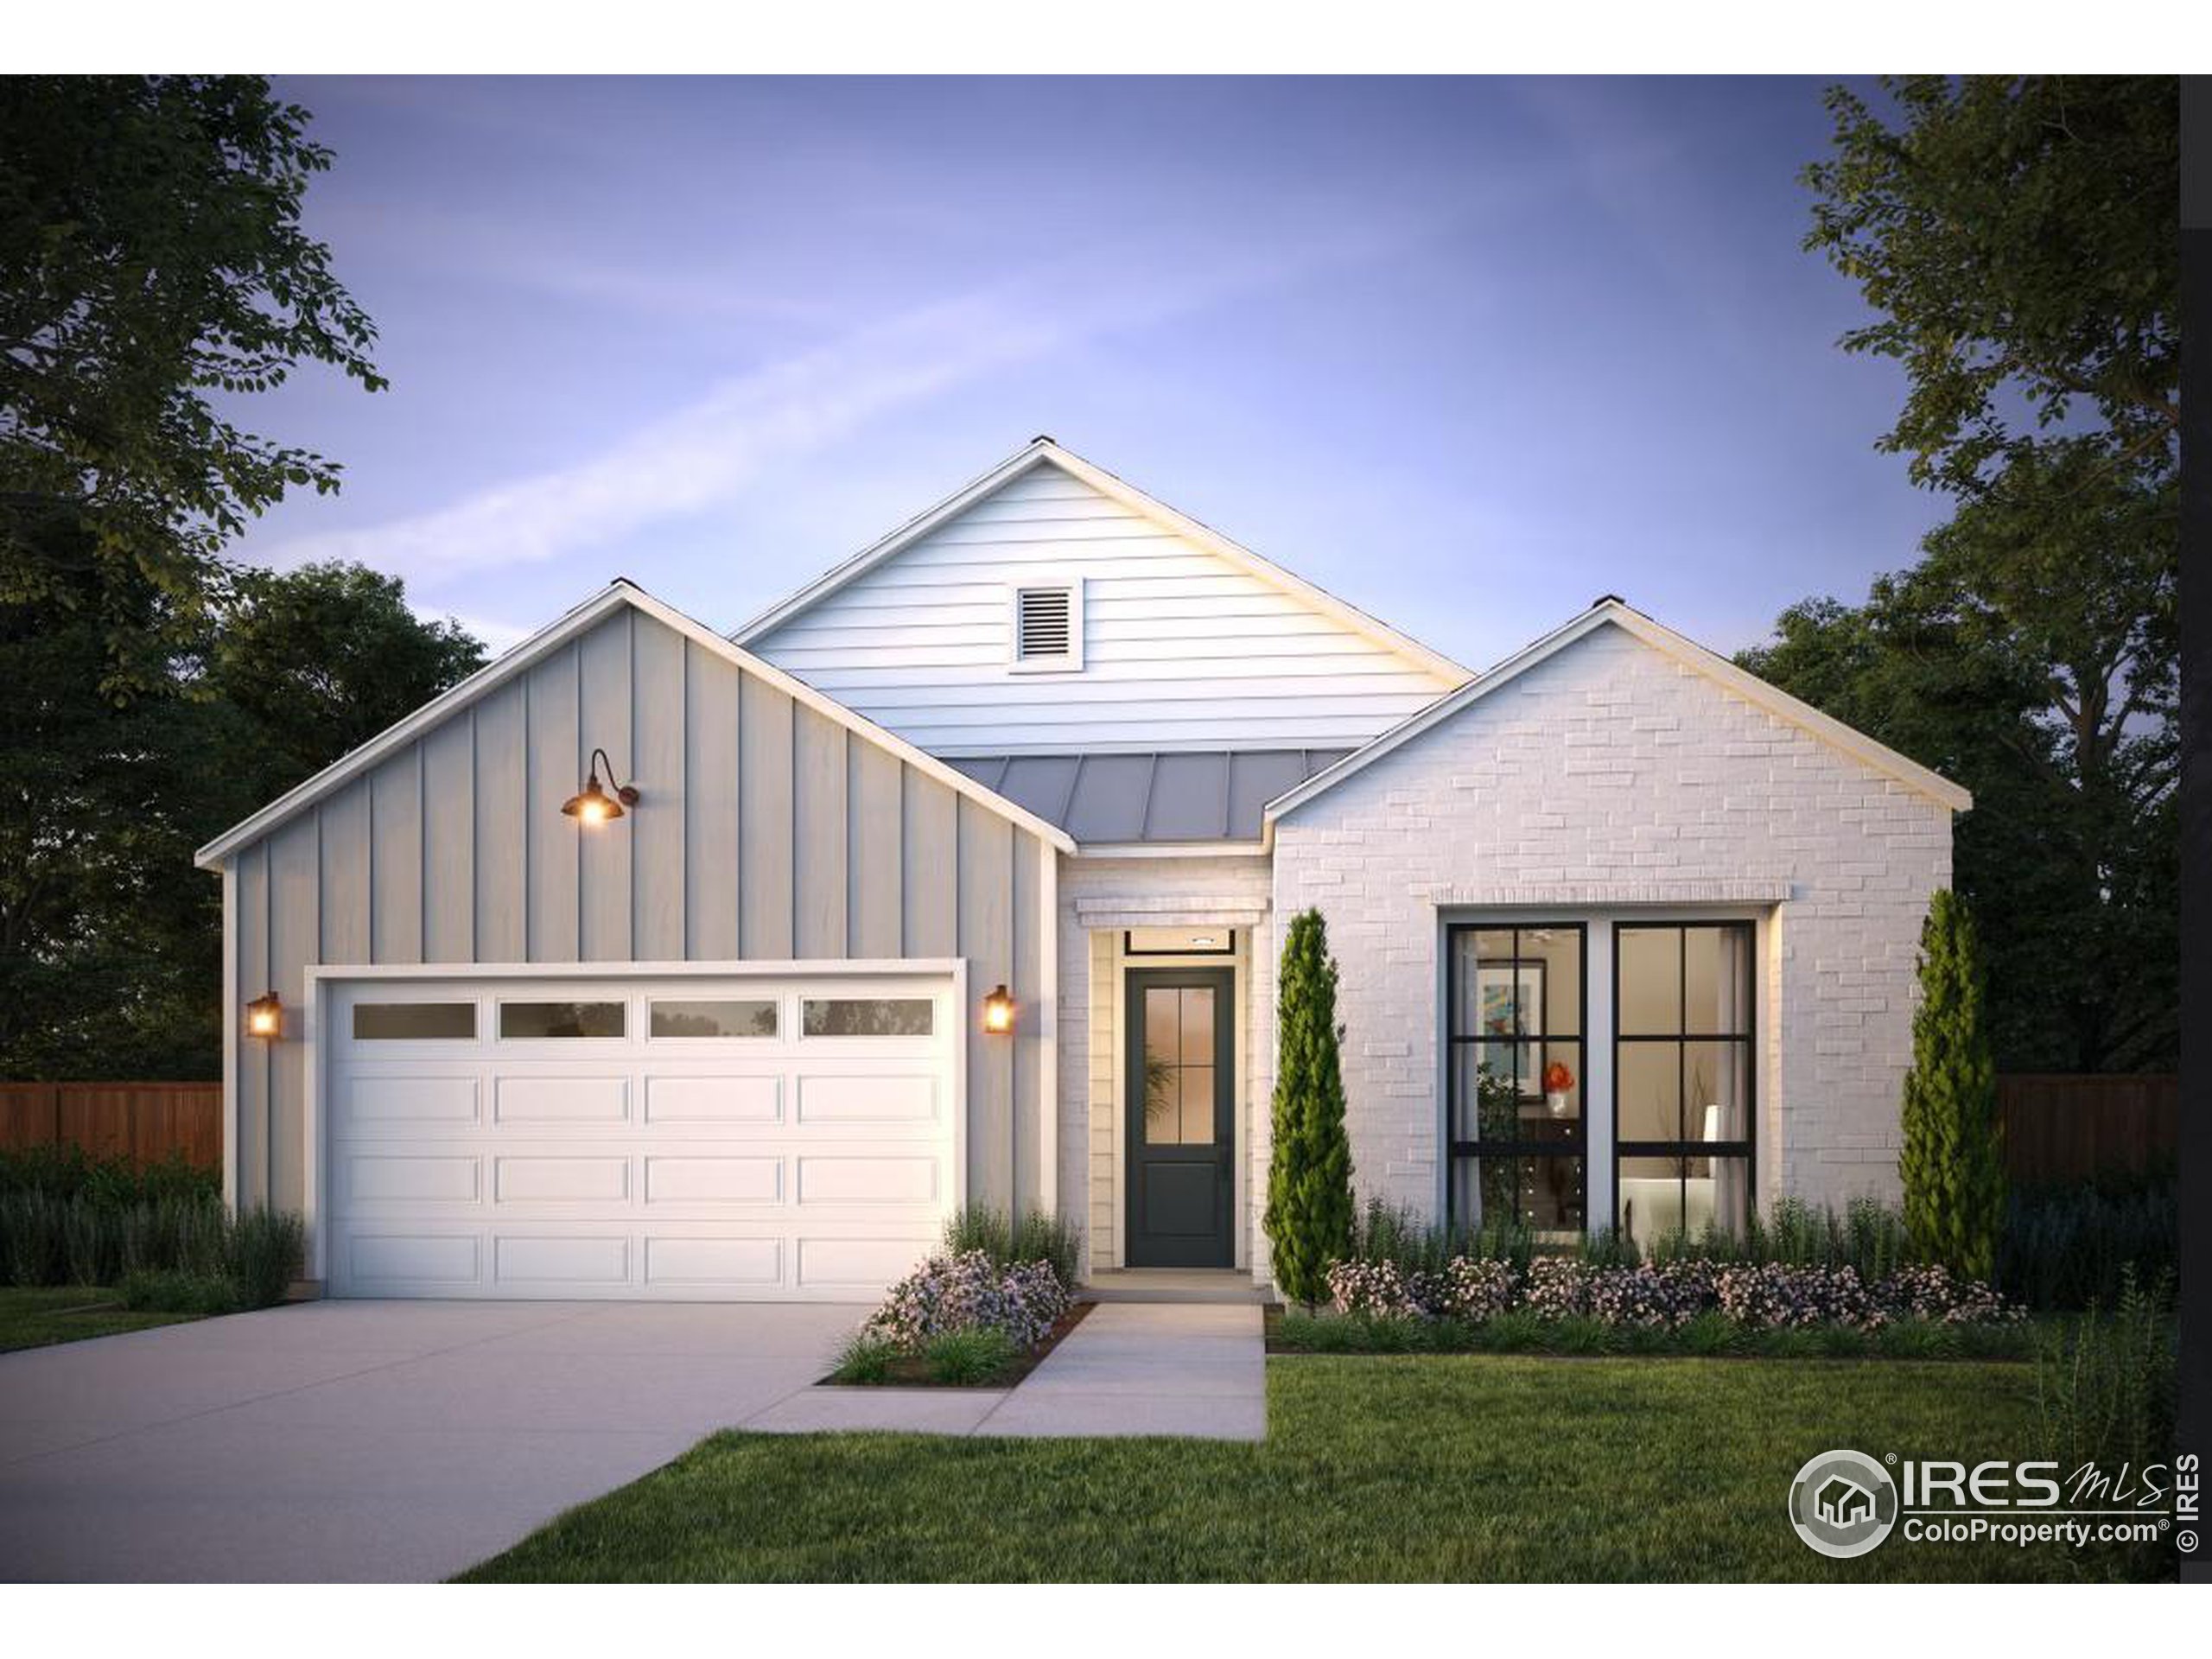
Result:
265,1017
998,1010
596,805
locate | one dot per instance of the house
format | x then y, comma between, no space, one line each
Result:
1844,1503
961,875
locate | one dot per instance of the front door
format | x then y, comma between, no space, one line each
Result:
1180,1109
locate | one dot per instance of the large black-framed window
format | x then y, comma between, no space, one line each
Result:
1684,1077
1517,998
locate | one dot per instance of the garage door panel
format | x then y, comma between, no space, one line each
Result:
717,1178
596,1260
902,1179
835,1262
746,1167
519,1180
843,1096
391,1263
720,1263
384,1178
409,1101
719,1098
568,1099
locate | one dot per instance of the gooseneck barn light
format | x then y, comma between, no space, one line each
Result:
596,805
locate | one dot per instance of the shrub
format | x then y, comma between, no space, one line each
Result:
866,1357
167,1290
1309,1211
967,1292
1952,1161
2072,1248
267,1248
2106,1382
970,1354
1054,1240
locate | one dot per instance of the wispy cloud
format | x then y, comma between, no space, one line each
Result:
707,452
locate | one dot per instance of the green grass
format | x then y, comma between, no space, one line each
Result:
40,1318
1431,1467
1710,1335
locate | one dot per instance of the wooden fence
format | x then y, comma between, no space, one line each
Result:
2061,1127
143,1121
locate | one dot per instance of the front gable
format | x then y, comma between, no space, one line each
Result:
1176,638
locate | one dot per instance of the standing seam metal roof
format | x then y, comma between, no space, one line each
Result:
1178,795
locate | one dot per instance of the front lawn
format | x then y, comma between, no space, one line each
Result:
38,1318
1446,1468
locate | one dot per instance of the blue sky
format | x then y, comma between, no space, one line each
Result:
1466,353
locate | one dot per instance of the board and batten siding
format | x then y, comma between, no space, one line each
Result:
1181,646
765,831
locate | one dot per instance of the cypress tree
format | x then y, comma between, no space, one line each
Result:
1309,1213
1952,1159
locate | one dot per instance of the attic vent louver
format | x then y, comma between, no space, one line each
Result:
1048,626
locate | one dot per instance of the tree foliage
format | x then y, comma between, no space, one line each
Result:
1952,1161
152,268
109,940
153,275
2018,241
1309,1211
320,660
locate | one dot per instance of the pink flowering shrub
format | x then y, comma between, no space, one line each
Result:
1661,1298
1665,1296
1469,1287
969,1291
1772,1296
1930,1293
1474,1288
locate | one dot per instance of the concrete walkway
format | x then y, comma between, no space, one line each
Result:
367,1440
1130,1368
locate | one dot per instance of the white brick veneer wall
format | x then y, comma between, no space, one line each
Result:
1610,766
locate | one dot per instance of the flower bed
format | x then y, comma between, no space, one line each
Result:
961,1319
1695,1306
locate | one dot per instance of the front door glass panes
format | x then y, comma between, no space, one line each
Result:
1515,1075
1178,1065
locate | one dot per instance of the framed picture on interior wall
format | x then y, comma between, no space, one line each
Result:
1510,1003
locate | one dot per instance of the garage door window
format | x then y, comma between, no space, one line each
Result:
534,1020
696,1018
868,1016
386,1022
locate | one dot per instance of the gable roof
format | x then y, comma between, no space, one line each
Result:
1610,611
619,593
1043,452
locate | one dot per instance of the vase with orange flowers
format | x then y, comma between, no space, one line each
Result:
1557,1080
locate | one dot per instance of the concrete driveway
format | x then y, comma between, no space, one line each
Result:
367,1440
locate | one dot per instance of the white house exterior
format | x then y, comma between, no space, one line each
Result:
1626,937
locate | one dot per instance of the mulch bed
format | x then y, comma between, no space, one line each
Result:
912,1372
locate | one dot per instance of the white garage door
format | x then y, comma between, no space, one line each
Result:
668,1137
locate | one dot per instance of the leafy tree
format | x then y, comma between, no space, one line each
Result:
153,272
151,259
1953,1158
322,659
1309,1212
109,942
2018,240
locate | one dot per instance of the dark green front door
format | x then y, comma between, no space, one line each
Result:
1182,1118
